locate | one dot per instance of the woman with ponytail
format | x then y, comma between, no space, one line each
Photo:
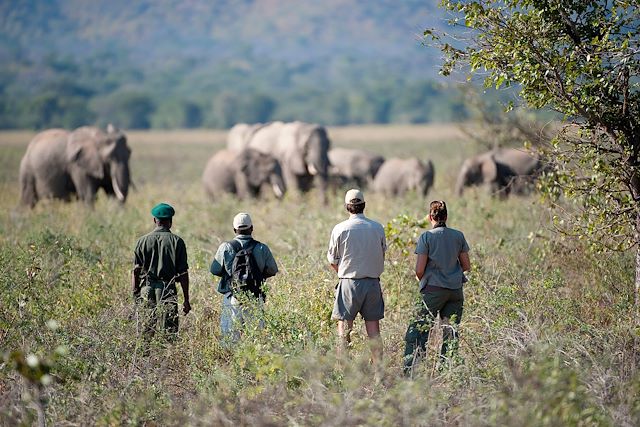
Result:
442,258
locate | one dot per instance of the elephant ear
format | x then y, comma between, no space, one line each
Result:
83,151
294,141
489,169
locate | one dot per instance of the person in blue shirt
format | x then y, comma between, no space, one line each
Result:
442,258
235,307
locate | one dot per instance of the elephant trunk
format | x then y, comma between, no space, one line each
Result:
428,179
317,158
462,181
459,188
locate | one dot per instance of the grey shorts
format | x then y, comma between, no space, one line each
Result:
355,296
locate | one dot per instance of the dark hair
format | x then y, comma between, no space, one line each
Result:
355,209
244,231
438,210
164,222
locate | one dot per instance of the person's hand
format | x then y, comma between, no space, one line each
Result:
186,308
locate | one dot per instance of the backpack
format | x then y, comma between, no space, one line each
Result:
245,274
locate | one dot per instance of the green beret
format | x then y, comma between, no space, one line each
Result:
163,211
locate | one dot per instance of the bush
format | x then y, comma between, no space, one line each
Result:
544,339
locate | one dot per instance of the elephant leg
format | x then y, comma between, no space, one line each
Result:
290,179
88,196
28,194
85,186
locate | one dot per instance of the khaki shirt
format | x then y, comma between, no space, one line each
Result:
161,254
357,246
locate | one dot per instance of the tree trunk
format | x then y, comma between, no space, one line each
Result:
636,300
636,291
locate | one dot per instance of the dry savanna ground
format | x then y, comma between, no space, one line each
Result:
545,339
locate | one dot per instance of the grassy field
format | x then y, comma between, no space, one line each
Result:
545,338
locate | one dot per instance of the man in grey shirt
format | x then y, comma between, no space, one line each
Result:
356,252
442,258
237,305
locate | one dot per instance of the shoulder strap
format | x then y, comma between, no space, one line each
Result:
252,244
236,245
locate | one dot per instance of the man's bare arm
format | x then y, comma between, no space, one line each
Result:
184,283
465,263
135,281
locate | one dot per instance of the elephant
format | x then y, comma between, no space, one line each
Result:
59,163
354,165
397,176
301,148
240,134
242,173
503,170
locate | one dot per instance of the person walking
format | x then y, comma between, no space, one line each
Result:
243,264
356,253
160,260
442,259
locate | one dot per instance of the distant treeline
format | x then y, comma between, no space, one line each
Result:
60,92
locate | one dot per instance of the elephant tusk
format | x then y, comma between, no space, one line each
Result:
117,190
278,191
312,169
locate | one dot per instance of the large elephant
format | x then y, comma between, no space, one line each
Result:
397,176
243,173
240,134
355,166
59,163
503,170
301,148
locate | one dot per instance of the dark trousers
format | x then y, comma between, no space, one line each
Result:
448,303
160,302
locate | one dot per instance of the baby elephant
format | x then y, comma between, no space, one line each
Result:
397,176
354,165
242,173
502,170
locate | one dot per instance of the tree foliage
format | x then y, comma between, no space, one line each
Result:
69,94
579,58
216,63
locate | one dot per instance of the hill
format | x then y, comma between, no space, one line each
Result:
199,63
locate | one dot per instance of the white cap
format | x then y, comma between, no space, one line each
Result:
354,197
242,221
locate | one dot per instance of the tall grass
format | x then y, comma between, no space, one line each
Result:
545,337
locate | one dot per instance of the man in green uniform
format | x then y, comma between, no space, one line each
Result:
160,260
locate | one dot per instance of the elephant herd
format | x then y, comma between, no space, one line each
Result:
295,155
303,153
